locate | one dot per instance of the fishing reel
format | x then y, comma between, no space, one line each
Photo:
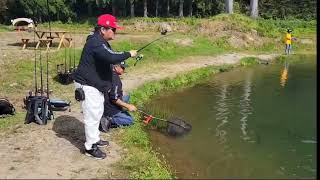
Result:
64,75
138,58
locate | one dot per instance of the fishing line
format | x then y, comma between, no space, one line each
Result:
140,56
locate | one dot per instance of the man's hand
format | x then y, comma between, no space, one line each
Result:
131,107
133,53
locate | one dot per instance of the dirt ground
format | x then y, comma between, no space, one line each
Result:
55,150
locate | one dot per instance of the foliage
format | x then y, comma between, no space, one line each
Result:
288,9
4,28
248,61
141,160
67,11
40,11
9,122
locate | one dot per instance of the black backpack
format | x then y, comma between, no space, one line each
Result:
6,108
38,110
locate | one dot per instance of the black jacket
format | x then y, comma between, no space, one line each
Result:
115,93
95,64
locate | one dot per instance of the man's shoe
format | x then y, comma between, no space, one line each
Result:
95,152
102,143
105,123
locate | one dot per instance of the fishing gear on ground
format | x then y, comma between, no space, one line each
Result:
174,126
65,70
38,105
6,108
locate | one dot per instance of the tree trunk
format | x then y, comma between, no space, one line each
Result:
125,8
145,8
58,16
229,6
157,7
132,8
190,7
181,8
114,9
254,8
90,9
168,8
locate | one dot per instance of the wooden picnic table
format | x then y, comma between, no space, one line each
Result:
48,36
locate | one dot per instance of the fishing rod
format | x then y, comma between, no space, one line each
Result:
47,73
152,42
35,64
140,56
74,53
64,76
41,77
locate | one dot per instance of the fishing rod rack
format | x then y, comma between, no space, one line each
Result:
38,104
65,70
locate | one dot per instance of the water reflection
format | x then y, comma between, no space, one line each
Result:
245,106
222,114
284,74
239,107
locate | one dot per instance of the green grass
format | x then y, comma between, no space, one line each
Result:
267,27
140,160
4,28
75,27
166,50
249,61
10,121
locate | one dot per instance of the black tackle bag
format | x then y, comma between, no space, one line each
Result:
6,108
38,110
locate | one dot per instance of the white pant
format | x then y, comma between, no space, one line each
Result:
92,108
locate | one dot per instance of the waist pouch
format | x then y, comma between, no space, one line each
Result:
79,94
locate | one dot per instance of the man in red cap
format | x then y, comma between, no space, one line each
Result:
93,77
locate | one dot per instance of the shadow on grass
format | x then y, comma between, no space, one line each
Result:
71,129
33,44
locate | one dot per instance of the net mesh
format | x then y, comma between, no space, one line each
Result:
174,126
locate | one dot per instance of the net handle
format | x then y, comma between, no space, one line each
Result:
165,120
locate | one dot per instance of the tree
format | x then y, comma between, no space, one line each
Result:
181,8
157,7
254,8
3,9
132,8
168,8
190,7
145,8
229,6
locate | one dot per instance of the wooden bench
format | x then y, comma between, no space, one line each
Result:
24,42
47,42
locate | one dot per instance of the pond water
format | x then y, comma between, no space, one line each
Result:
251,122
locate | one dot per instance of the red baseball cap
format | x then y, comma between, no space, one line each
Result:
107,20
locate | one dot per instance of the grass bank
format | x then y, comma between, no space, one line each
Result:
140,160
